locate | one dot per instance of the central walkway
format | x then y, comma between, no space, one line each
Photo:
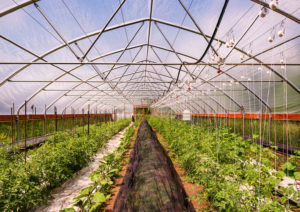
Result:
64,195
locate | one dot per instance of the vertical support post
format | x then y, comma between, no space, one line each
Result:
243,113
82,120
270,126
88,119
96,116
35,123
18,126
62,120
12,123
25,132
73,122
45,121
32,131
215,120
143,114
55,117
134,115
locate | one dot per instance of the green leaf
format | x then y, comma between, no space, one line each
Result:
288,166
86,190
67,210
99,197
95,177
95,207
114,171
103,182
297,175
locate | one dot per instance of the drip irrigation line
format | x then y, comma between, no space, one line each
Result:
215,31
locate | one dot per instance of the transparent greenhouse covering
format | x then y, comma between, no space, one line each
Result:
207,56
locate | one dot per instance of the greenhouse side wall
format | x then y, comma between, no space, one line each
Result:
278,133
277,130
40,125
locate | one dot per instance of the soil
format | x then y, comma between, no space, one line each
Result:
192,189
151,182
118,182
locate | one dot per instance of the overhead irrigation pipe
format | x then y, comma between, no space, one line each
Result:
213,35
215,31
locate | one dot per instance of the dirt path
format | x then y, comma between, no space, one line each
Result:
151,182
118,182
191,189
64,195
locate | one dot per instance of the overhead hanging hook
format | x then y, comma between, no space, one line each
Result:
281,31
272,35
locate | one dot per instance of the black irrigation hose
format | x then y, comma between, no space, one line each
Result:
178,74
212,38
215,31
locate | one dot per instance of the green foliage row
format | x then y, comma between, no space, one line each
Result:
24,186
36,128
252,127
235,173
93,197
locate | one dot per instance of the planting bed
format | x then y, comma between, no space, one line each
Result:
151,182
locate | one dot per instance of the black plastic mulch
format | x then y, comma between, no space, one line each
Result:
151,182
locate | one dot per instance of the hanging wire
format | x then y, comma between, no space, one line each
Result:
287,118
126,33
39,23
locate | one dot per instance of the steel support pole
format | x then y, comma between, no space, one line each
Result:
25,132
88,119
243,123
45,122
82,120
55,117
270,126
18,127
12,124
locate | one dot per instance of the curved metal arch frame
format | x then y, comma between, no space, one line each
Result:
210,97
237,49
70,104
127,24
176,102
178,105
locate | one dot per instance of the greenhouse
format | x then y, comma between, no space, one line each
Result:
149,105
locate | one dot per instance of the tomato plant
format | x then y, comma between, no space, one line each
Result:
235,173
26,186
94,197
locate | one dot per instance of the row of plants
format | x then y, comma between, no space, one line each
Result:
94,197
252,127
26,185
40,127
237,175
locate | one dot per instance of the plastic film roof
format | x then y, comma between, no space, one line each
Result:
75,53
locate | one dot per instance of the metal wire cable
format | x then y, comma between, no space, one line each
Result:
39,23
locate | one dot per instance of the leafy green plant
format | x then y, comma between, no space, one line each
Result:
25,186
235,173
93,197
